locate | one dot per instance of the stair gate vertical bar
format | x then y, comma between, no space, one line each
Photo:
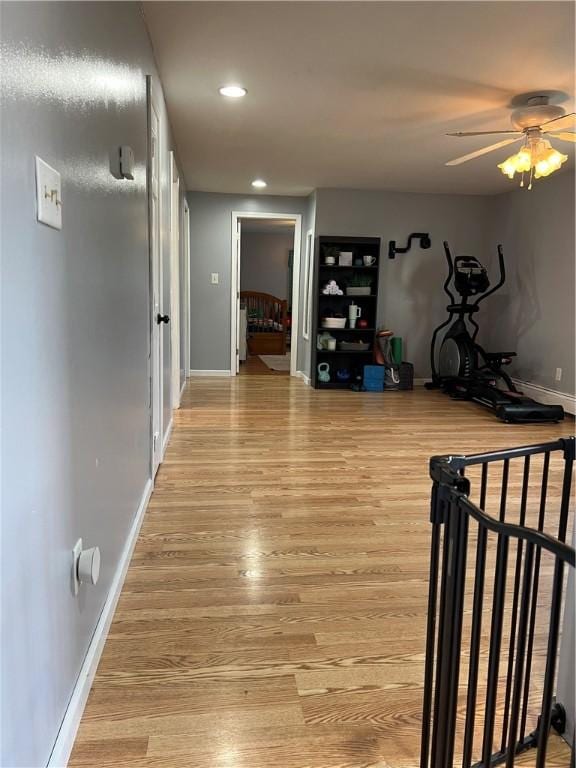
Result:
475,639
520,652
504,491
548,690
483,486
495,647
431,629
460,580
439,719
565,502
515,600
447,640
534,605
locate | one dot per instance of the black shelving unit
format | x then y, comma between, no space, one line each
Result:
352,361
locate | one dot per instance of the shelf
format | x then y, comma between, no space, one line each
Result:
348,330
346,276
335,384
350,266
337,296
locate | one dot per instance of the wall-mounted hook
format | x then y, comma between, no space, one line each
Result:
425,243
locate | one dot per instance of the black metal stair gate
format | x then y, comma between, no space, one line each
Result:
494,613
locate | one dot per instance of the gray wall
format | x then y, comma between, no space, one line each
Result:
264,262
411,301
211,249
534,313
75,341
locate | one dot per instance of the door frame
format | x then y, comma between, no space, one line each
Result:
174,283
235,287
156,349
186,293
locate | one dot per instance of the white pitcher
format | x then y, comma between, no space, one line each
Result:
354,312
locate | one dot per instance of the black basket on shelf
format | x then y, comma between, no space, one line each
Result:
494,605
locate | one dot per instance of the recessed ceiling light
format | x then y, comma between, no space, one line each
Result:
259,183
232,91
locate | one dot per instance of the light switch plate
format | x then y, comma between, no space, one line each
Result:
48,195
215,278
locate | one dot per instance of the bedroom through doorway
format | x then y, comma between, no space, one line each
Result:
267,294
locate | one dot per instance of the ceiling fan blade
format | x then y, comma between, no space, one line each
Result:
481,133
566,121
564,136
483,151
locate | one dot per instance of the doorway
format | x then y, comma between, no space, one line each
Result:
265,293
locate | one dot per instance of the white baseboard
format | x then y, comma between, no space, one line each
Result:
210,373
166,439
67,733
421,382
547,396
303,376
182,388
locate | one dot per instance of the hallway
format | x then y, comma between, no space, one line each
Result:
274,610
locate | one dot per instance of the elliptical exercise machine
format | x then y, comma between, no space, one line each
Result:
464,369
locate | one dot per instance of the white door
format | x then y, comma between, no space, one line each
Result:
156,273
186,291
175,281
236,365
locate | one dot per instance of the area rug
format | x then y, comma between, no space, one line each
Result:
276,362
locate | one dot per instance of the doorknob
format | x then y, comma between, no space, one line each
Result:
162,319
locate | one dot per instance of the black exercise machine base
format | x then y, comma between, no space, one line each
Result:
512,407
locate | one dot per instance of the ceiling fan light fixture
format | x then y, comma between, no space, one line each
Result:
549,161
518,163
537,155
508,167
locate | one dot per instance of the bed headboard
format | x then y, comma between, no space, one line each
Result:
263,306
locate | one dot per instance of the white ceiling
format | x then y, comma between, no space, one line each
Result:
353,94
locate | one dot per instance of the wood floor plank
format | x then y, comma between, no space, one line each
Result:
274,612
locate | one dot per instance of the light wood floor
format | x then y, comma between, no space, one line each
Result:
274,611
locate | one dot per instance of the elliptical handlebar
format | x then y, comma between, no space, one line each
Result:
448,280
502,279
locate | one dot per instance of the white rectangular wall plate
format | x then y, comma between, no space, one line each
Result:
48,195
215,278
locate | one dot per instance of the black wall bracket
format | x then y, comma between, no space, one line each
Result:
425,243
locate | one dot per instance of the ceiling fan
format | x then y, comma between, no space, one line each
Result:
533,121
